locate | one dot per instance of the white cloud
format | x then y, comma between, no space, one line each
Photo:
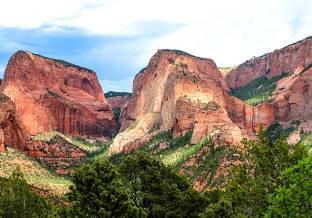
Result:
119,86
227,31
2,69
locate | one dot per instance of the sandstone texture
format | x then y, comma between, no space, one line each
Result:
291,100
58,154
11,130
290,59
117,101
56,95
177,92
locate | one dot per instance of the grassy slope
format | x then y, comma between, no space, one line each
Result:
257,91
178,152
307,140
34,173
78,142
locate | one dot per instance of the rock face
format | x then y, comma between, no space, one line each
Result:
56,95
117,101
177,92
180,92
11,130
290,59
57,154
291,101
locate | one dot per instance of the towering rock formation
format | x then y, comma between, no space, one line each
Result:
290,59
180,92
56,95
177,92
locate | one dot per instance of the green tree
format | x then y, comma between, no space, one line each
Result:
99,191
252,182
293,197
159,189
140,186
18,200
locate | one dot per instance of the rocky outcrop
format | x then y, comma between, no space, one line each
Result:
56,95
117,101
291,101
57,154
290,59
11,131
179,92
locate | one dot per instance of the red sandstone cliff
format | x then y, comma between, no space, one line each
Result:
290,59
117,101
56,95
178,92
292,98
11,131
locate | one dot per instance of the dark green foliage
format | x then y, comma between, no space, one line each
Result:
99,191
173,143
275,131
142,70
206,166
116,112
293,196
258,90
114,94
18,200
140,186
179,52
251,183
159,190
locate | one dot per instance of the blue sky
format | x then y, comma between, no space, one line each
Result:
116,38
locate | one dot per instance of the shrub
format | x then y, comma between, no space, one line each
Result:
292,198
140,186
18,200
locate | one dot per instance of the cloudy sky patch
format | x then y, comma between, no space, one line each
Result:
116,38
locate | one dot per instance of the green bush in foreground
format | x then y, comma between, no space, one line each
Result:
251,184
140,186
293,196
18,200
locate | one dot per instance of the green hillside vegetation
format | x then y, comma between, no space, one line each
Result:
176,152
111,94
269,182
35,174
258,90
306,139
83,144
18,200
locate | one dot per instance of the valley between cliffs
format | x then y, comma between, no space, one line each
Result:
182,110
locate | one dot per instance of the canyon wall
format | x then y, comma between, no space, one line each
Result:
290,59
177,92
55,95
11,130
